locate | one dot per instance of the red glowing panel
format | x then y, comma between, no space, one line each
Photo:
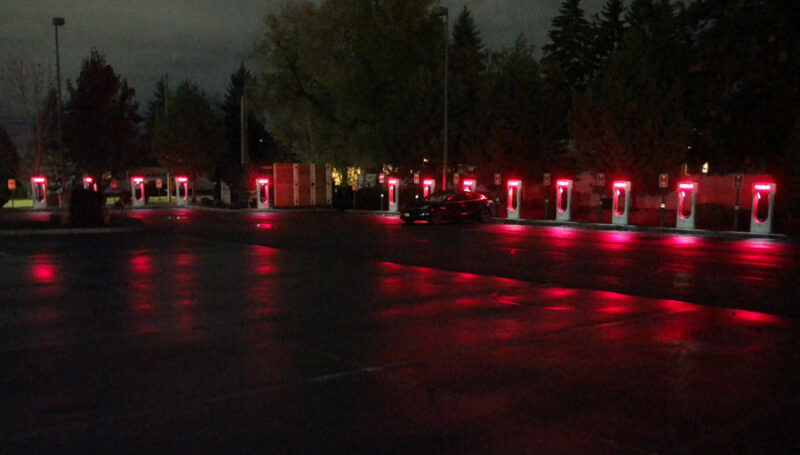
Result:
381,178
182,179
392,181
39,179
562,182
88,179
137,179
687,186
620,184
469,182
514,183
763,186
428,182
262,181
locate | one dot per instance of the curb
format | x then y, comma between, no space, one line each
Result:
613,227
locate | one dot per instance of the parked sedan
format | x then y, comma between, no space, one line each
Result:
449,206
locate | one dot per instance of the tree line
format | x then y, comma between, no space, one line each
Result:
631,91
104,134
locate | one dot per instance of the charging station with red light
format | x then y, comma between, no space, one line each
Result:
687,204
763,205
514,199
428,187
182,190
137,191
39,191
468,185
393,188
89,184
262,193
564,200
621,203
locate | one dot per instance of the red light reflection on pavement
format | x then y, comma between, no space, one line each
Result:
679,241
141,265
755,317
616,240
43,269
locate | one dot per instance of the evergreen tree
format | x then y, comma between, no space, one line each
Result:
101,123
633,120
609,30
570,44
524,132
467,71
186,138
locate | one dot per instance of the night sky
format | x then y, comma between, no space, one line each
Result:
202,40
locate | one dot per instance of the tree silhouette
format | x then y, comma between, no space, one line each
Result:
100,120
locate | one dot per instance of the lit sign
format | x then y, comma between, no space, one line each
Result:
39,180
137,179
514,183
686,186
262,181
619,184
88,179
562,182
428,182
392,181
763,186
182,179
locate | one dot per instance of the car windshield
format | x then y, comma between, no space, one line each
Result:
438,197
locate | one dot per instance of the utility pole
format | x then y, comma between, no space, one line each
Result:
57,22
166,114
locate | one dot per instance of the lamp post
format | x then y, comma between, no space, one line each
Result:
59,21
438,12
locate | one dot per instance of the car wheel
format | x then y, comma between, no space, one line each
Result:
485,215
436,218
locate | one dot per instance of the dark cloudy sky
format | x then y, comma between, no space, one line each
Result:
202,40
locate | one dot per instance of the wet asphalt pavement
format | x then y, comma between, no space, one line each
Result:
313,332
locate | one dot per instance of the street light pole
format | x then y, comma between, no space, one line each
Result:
442,11
59,21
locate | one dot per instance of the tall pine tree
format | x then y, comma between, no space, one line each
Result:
101,123
609,30
570,44
467,72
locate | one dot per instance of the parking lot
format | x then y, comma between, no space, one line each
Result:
326,333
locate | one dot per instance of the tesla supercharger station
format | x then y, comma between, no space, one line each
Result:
392,184
621,203
468,185
763,204
39,191
428,187
687,203
514,199
262,193
89,184
563,200
137,191
182,190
